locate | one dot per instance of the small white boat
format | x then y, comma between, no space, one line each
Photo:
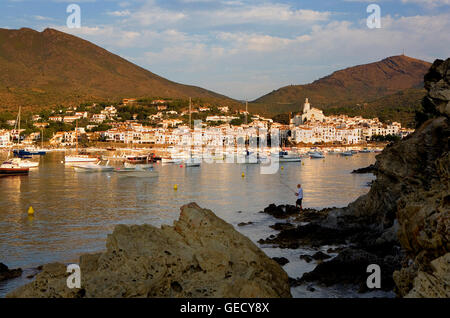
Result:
171,161
192,162
347,154
284,156
365,150
136,173
316,155
80,159
91,167
28,164
128,165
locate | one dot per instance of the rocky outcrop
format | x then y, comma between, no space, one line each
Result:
369,169
6,273
407,206
411,194
199,256
424,214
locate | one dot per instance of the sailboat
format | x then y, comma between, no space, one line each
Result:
19,165
79,158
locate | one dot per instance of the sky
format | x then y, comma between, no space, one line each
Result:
246,48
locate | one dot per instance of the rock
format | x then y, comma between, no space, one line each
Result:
312,234
281,211
306,258
199,256
435,284
310,289
282,226
320,256
281,260
369,169
6,273
350,267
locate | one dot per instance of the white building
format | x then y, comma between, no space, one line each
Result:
5,138
311,114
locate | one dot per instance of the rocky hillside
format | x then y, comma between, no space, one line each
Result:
199,256
51,67
356,89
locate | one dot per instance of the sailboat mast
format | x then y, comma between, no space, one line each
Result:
190,113
18,132
246,112
76,135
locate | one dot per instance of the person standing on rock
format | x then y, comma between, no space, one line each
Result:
299,195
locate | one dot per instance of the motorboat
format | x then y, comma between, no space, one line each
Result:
137,172
91,167
128,165
316,155
80,159
192,162
28,152
171,160
365,150
137,159
12,168
284,156
28,164
347,154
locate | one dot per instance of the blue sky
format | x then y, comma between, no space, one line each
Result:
246,48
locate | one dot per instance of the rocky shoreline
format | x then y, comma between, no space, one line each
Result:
402,224
6,273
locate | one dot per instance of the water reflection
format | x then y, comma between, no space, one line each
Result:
75,211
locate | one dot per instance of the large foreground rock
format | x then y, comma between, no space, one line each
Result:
199,256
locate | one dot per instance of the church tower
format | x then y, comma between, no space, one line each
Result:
306,106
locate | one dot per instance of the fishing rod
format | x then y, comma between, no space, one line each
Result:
288,186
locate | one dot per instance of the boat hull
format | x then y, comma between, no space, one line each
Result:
14,171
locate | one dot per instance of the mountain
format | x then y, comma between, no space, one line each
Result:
376,83
46,68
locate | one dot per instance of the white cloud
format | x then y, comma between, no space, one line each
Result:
123,13
431,3
247,62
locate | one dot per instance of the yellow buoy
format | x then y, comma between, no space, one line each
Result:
303,163
282,168
243,175
30,211
175,187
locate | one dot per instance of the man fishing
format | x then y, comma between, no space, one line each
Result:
299,195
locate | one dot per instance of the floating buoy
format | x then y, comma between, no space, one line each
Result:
303,163
243,175
282,168
30,211
181,166
175,187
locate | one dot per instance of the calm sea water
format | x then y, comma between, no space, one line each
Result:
74,212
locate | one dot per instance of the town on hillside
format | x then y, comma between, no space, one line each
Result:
169,122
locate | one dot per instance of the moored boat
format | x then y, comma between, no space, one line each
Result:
11,168
90,167
316,155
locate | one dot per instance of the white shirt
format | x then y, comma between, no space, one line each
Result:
300,193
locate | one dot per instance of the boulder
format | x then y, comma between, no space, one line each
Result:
199,256
6,273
